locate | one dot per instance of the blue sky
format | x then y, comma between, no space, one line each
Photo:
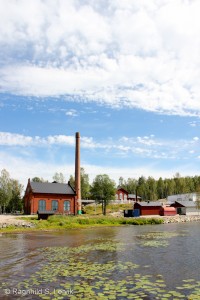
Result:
125,74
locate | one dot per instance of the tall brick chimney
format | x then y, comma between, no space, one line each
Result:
78,172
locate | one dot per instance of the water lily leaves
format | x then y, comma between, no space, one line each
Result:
81,272
155,243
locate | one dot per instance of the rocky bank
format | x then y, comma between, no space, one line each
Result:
180,219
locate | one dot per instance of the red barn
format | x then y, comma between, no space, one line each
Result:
49,198
148,208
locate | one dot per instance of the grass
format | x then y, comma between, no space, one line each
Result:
65,222
92,217
97,209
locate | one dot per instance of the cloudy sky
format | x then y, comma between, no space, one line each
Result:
125,74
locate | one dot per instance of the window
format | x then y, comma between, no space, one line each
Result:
67,205
42,205
54,204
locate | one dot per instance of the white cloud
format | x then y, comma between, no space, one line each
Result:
72,113
140,54
146,147
9,139
13,139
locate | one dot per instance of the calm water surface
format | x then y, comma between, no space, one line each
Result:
21,255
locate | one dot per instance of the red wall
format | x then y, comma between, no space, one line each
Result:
144,211
31,203
168,211
123,192
147,210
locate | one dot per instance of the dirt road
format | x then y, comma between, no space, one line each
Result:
12,220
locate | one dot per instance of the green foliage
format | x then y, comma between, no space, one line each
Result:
85,185
38,179
151,189
103,188
15,203
10,193
59,177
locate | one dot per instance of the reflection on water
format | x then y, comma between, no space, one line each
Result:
170,251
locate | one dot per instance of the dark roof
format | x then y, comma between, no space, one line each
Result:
186,203
150,203
51,188
121,189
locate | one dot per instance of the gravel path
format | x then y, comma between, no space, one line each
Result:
7,220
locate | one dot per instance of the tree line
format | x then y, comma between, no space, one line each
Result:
152,189
103,188
147,188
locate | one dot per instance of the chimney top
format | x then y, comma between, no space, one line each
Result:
77,135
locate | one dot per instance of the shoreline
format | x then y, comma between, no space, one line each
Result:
181,219
12,223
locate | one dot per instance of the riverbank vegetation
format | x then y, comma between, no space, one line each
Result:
60,222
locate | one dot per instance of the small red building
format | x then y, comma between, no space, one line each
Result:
49,198
148,208
168,211
123,195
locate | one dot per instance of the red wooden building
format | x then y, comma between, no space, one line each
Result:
168,211
148,208
49,198
123,195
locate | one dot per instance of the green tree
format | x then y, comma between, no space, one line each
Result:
37,179
5,190
59,177
131,185
15,203
169,187
142,189
85,185
72,181
152,188
122,183
180,186
189,185
103,188
196,181
160,188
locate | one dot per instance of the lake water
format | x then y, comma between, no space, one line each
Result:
131,262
